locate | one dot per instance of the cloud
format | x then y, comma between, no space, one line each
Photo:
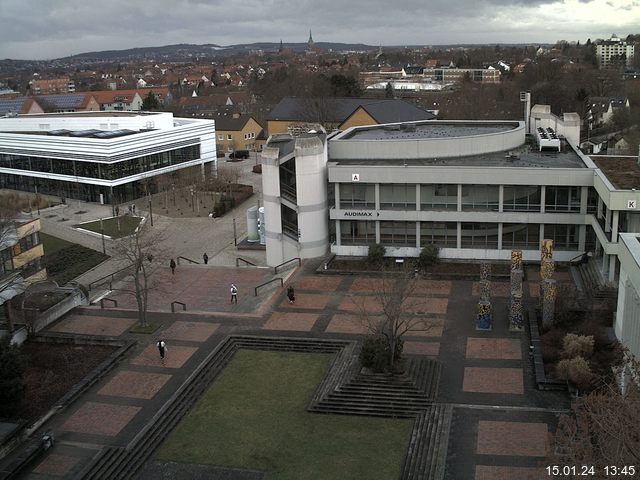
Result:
49,29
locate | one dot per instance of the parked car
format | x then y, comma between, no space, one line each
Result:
239,154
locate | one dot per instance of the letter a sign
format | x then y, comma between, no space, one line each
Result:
355,177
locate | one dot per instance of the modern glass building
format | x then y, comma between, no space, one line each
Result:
100,156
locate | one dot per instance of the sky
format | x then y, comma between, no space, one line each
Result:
47,29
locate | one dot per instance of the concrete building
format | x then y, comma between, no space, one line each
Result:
237,132
100,156
21,250
614,52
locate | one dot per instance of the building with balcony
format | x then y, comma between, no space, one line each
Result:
614,52
101,156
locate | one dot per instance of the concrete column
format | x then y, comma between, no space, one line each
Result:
543,197
417,197
584,196
541,235
500,236
607,221
459,235
599,212
459,198
501,199
612,268
417,234
377,230
605,262
377,195
614,226
336,194
582,237
338,233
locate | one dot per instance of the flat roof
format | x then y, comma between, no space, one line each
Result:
102,113
622,172
433,129
526,156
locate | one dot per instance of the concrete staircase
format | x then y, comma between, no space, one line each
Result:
591,283
427,453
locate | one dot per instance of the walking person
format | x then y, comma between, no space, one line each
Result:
234,294
172,266
162,348
291,295
205,257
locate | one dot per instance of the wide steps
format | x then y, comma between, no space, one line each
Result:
427,453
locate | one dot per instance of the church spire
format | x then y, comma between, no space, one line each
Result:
310,42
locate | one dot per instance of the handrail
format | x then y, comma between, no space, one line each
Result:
255,290
275,269
100,280
102,300
239,259
188,260
173,306
577,256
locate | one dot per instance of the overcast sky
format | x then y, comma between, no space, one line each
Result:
45,29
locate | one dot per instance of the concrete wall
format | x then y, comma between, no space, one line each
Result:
627,320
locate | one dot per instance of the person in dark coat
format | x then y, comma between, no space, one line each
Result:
162,348
205,257
172,266
291,294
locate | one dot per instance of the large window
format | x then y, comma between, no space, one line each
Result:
439,197
562,199
522,198
565,237
524,236
400,196
479,235
480,197
355,195
354,232
442,234
398,234
289,222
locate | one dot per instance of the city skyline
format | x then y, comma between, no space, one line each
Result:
67,28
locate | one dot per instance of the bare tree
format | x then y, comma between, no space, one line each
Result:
402,311
138,251
10,278
604,426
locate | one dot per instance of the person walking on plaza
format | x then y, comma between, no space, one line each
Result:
234,294
172,266
205,257
291,295
162,348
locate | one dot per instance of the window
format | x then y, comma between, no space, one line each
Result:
565,237
229,136
562,199
443,234
520,236
480,235
480,197
439,197
522,198
400,196
399,234
221,137
353,232
357,195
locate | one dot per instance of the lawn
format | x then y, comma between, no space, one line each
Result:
253,416
65,260
127,225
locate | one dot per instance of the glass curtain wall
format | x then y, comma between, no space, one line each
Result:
442,234
358,196
522,198
480,197
398,196
398,234
353,232
480,235
439,197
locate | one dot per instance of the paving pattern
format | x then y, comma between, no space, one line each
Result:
480,369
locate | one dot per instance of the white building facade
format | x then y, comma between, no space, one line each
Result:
100,156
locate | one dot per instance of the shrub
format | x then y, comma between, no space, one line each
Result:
375,256
376,354
12,366
429,255
577,371
577,346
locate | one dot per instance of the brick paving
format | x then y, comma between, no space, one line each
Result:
498,289
100,418
176,356
494,348
493,380
302,322
90,325
512,438
477,368
491,472
56,465
190,331
134,384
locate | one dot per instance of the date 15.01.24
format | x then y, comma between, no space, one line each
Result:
613,471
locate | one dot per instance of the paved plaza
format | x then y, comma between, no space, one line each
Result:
501,425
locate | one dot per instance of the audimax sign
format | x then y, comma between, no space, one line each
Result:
360,213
